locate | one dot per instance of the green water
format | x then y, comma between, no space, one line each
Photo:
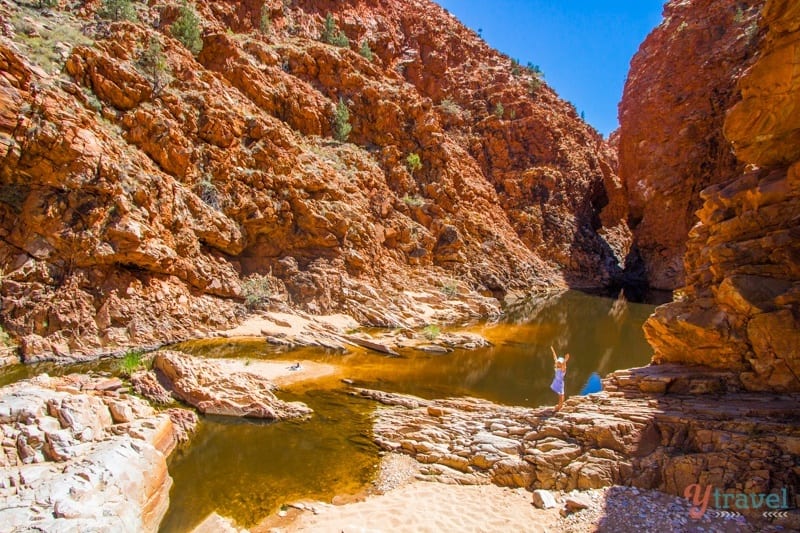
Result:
247,469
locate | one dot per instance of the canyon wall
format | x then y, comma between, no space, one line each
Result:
142,184
671,145
740,308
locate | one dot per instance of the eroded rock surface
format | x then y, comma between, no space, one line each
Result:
133,203
681,83
662,427
78,453
217,391
740,309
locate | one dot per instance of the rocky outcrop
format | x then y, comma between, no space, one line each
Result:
765,125
662,427
133,201
681,83
740,308
80,453
215,391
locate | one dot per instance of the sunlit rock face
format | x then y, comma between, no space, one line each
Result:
740,308
671,143
80,453
134,202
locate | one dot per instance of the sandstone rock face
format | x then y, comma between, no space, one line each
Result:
659,427
134,202
77,457
765,126
215,391
671,144
740,307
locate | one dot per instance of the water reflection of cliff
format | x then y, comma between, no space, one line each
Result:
602,334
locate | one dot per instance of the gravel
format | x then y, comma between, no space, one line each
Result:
630,510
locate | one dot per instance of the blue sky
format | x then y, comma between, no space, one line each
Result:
583,47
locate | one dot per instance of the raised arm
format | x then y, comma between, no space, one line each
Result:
566,358
555,355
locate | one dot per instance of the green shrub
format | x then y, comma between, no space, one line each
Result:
341,122
366,51
413,162
449,289
431,331
516,70
450,107
42,4
265,23
154,63
5,339
413,201
208,192
331,33
535,70
186,28
256,290
499,110
117,10
131,362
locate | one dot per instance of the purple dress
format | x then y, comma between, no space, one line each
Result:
558,382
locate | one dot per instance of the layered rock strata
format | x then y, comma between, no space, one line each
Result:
663,428
134,201
79,453
740,309
215,391
681,83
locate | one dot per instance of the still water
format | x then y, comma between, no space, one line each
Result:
246,469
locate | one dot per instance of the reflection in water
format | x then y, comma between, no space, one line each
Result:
247,470
13,373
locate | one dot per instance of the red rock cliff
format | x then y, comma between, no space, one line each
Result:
671,146
134,200
740,308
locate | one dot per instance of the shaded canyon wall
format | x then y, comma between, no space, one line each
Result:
740,308
671,145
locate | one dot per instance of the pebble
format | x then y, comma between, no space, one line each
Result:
629,510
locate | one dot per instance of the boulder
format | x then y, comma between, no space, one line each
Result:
577,502
83,460
214,389
544,499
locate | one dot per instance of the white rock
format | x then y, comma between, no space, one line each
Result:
543,499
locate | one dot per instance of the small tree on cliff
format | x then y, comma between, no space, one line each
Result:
186,29
117,10
499,110
265,23
331,33
341,122
154,63
413,162
366,51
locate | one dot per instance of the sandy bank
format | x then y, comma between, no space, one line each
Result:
278,372
276,324
422,506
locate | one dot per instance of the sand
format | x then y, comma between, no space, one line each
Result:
274,323
423,506
278,371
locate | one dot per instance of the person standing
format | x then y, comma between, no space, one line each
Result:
557,386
